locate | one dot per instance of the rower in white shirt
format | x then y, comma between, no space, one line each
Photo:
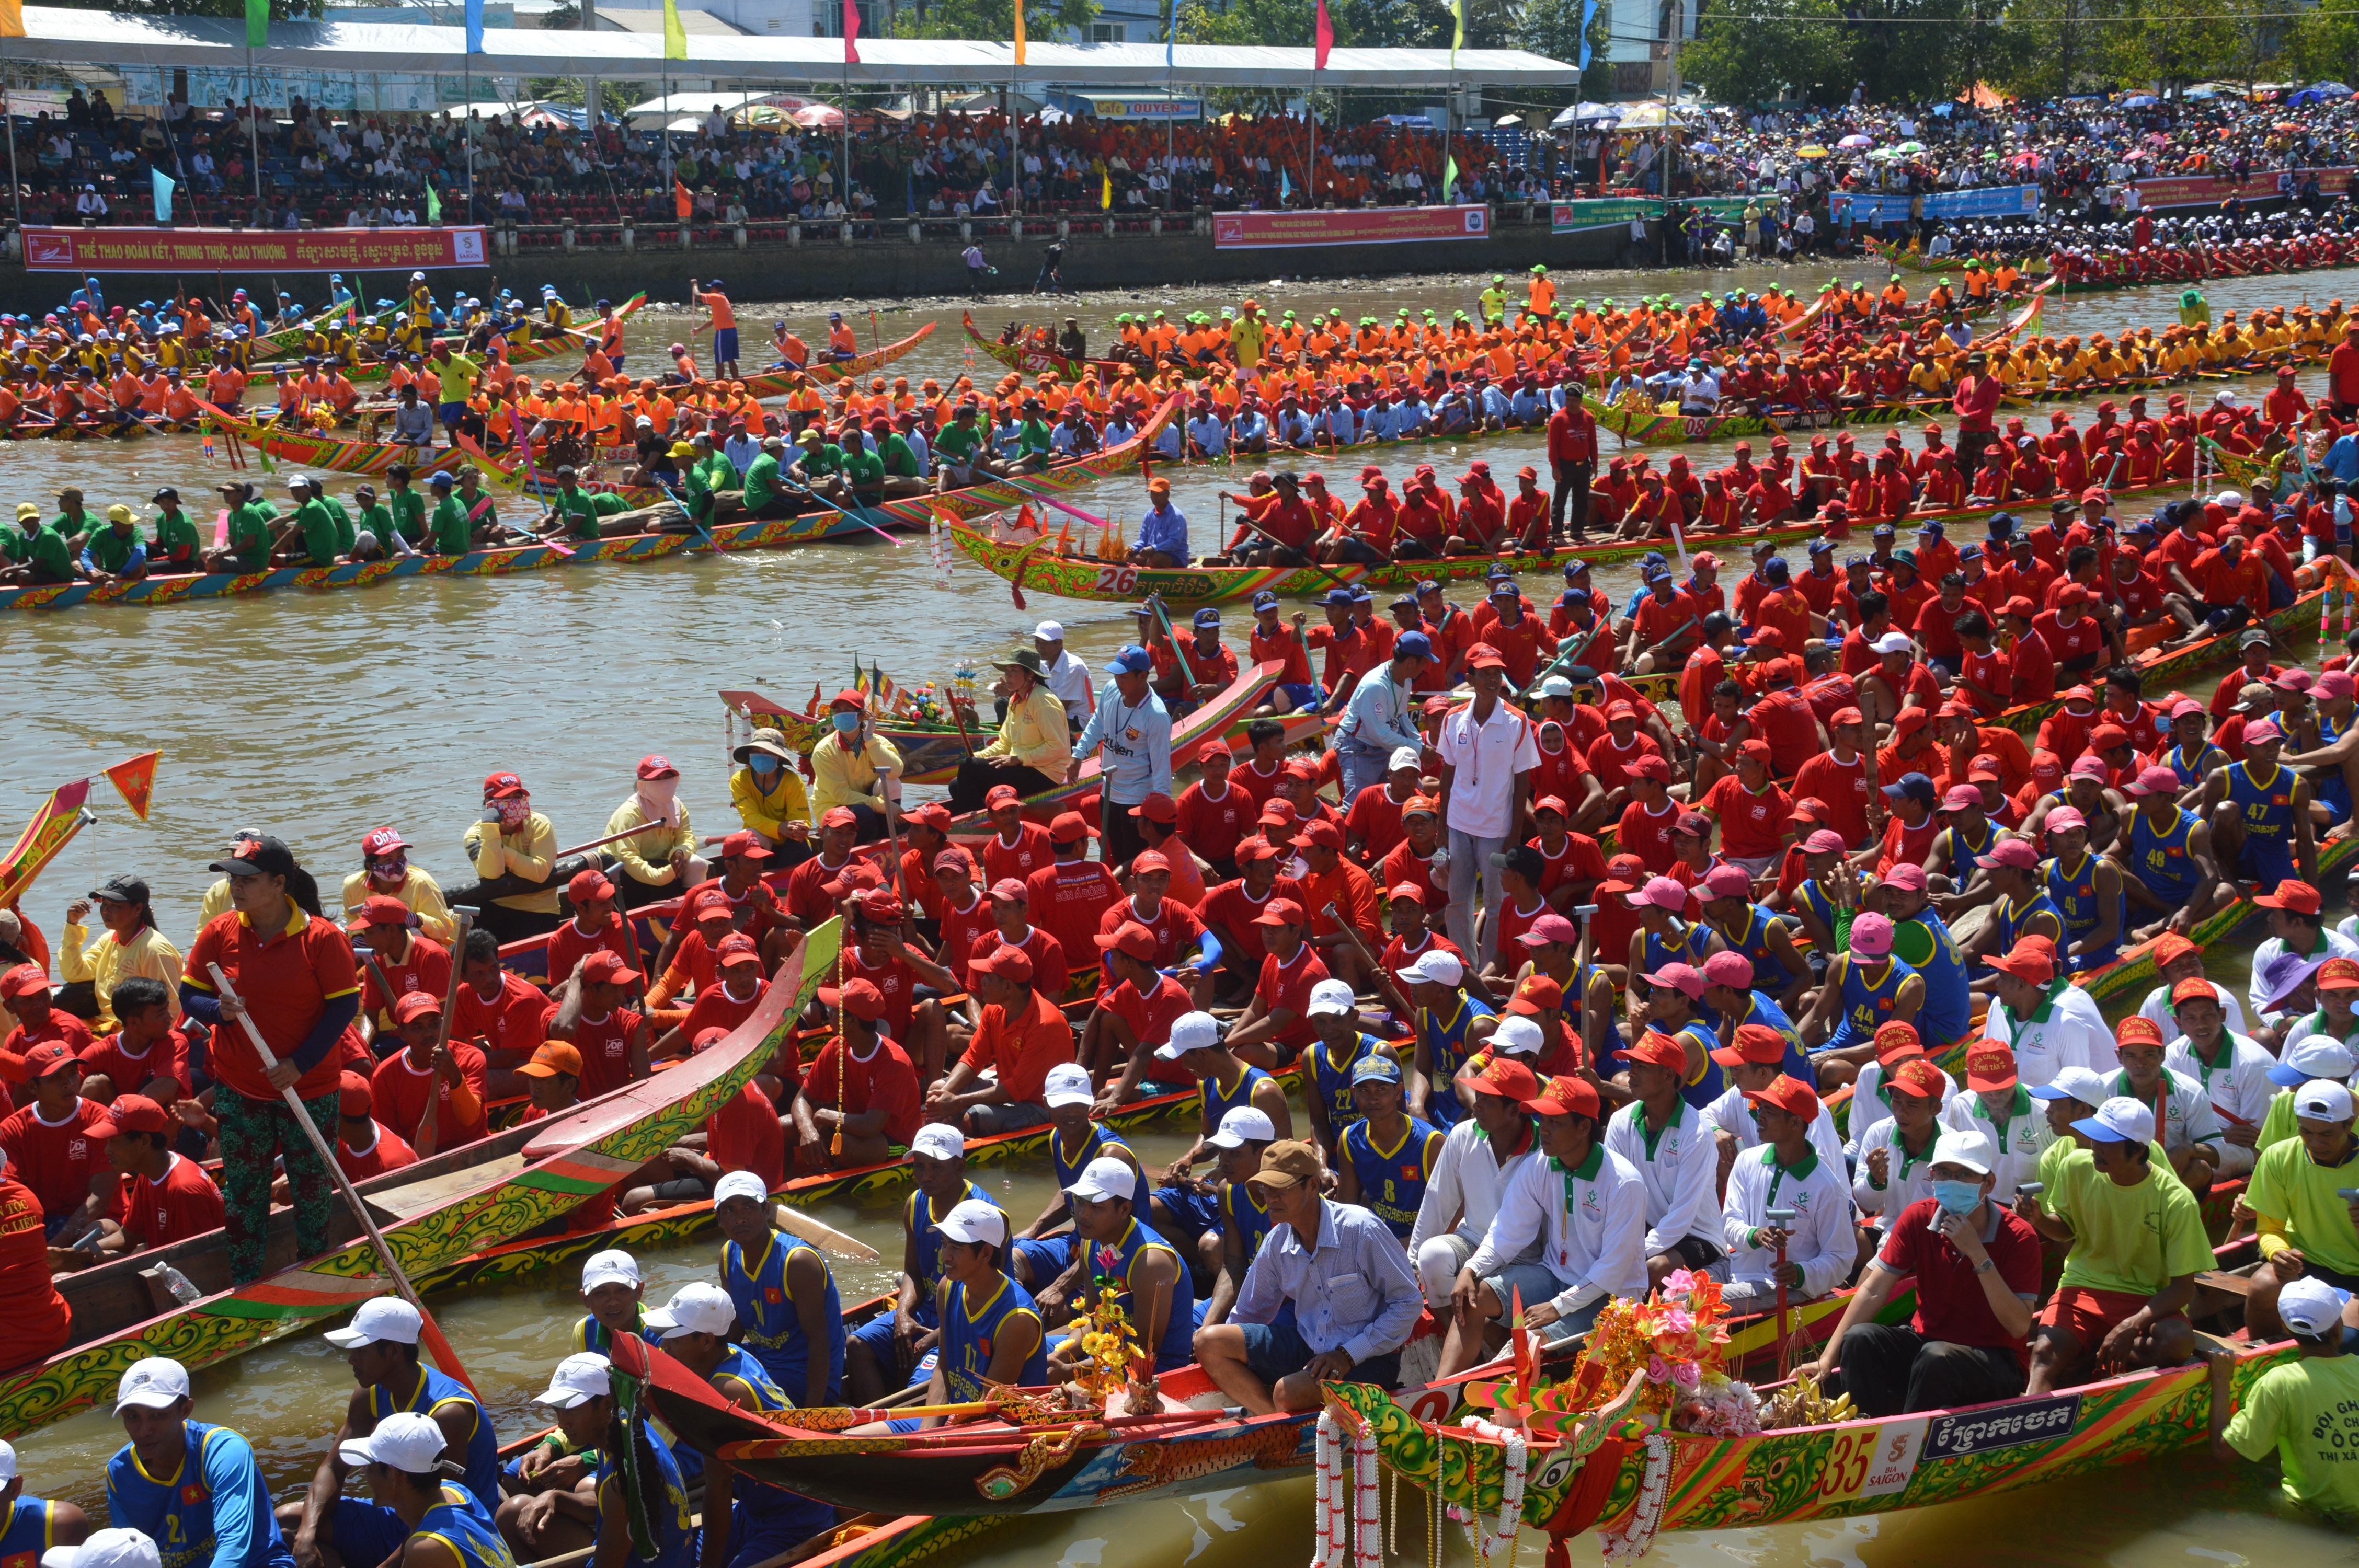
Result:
2233,1070
1895,1154
1871,1094
1998,1106
1479,1157
2047,1021
2189,1130
2336,1016
2297,927
1751,1065
1676,1156
1787,1175
1583,1205
2176,960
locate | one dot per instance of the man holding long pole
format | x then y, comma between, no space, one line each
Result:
295,981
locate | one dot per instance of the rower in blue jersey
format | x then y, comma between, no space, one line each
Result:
1728,990
2173,879
789,1315
1757,933
764,1521
1826,919
612,1291
444,1525
2191,756
33,1524
1386,1156
580,1390
2021,906
992,1333
1241,1215
1921,941
1042,1259
1678,1009
2087,892
1446,1015
192,1489
1865,989
1157,1297
886,1353
1340,1047
1185,1207
380,1344
2259,811
1968,835
1664,936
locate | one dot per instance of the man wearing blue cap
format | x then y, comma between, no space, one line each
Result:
1381,714
1131,732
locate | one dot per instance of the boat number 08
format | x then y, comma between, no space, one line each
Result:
1117,579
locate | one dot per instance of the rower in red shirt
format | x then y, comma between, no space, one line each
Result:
597,926
1011,914
859,1103
147,1053
1276,1023
26,992
388,946
423,1072
589,1015
161,1197
365,1147
51,1148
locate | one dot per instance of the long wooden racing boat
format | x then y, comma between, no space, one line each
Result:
1199,1442
477,1198
826,372
1047,362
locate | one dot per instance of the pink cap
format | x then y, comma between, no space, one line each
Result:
1550,929
2015,852
2185,706
1725,881
1663,892
1871,935
1825,842
2157,779
2065,817
1684,978
2266,729
1907,874
1728,969
2089,765
2333,683
1962,797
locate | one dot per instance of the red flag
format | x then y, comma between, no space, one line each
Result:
1326,39
134,781
851,32
683,200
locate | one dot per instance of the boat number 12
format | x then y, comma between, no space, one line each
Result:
1117,579
1871,1460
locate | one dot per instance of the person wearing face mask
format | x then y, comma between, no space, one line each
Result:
385,872
1978,1270
515,850
767,789
854,767
660,862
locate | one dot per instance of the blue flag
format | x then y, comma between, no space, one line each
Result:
1170,34
474,26
1588,15
164,189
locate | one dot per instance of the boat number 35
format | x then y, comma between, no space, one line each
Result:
1117,579
1871,1460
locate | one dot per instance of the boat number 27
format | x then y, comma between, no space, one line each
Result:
1117,579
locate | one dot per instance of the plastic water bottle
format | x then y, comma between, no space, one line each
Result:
184,1290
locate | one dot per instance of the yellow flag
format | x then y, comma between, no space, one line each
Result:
1019,31
12,18
1105,196
675,35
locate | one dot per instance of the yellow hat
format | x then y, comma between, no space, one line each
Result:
118,514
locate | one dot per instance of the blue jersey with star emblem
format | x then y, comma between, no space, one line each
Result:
212,1511
1392,1180
970,1331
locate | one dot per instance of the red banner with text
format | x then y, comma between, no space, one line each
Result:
253,250
2204,191
1349,226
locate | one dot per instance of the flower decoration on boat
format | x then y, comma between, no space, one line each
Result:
1110,1345
1670,1343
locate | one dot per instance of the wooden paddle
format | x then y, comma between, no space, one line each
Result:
435,1342
824,1237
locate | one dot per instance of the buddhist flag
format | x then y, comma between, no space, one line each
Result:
1457,38
1020,32
134,781
1325,39
675,34
51,828
12,18
257,24
851,32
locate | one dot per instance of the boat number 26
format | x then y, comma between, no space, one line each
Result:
1119,580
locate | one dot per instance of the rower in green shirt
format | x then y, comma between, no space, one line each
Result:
764,496
115,552
572,511
377,522
348,537
175,547
1032,439
321,538
962,457
449,529
409,507
708,473
37,556
865,470
818,466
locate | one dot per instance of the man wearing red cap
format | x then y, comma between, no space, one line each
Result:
1022,1034
1893,1171
515,851
1573,462
161,1198
854,767
386,871
25,993
49,1147
1665,1139
597,926
1816,1248
393,954
859,1102
807,903
1480,1157
589,1014
1277,1022
659,860
365,1147
426,1075
730,1001
1582,1207
1487,757
1068,897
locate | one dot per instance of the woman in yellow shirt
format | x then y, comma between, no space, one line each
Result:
132,949
767,791
1033,746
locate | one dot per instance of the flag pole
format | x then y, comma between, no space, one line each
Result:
16,186
254,129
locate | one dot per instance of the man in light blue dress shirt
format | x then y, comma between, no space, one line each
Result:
1354,1296
1381,716
1131,732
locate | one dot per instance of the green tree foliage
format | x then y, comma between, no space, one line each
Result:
1762,50
1043,19
2324,44
2057,47
1552,27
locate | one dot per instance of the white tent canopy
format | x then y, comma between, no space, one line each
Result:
59,35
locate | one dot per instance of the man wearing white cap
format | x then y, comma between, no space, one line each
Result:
212,1504
783,1293
31,1524
2308,1058
1479,1157
381,1346
103,1549
1977,1269
884,1354
442,1524
1110,1242
552,1524
992,1335
614,1291
2306,1409
1074,1143
1069,677
1339,1048
2138,1242
2307,1226
1184,1206
1451,1024
764,1521
1241,1214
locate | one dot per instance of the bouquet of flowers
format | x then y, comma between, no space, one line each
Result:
1114,1361
1670,1343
